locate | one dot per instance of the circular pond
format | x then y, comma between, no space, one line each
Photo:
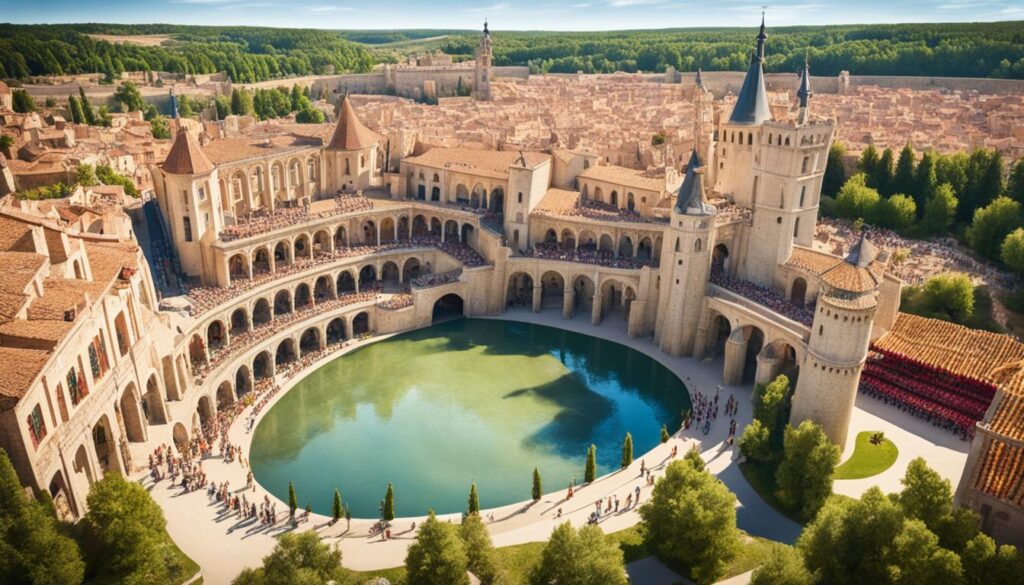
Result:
467,400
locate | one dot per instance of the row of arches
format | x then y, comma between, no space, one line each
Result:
613,296
245,190
748,356
645,249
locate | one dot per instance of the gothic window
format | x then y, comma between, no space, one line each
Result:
696,246
36,426
750,138
806,163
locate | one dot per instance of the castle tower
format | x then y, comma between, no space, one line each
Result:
830,372
685,264
193,202
350,159
483,69
787,170
704,126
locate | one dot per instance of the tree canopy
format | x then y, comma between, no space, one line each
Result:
579,557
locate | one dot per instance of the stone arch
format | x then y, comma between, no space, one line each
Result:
285,352
197,350
626,246
225,395
369,228
583,291
478,198
81,464
410,270
239,321
321,242
206,412
754,337
550,236
262,366
261,314
462,195
403,228
451,230
336,331
180,436
302,246
435,193
720,258
131,417
435,227
630,201
340,237
215,335
303,296
243,381
323,289
170,380
718,332
568,239
419,226
467,232
598,194
367,277
387,230
798,292
606,244
613,199
309,342
612,296
361,324
346,282
282,302
778,357
497,202
390,275
238,266
282,254
520,290
552,288
588,240
260,261
153,402
104,441
645,249
449,306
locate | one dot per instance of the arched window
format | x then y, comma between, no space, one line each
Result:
677,244
806,163
697,245
348,168
310,170
803,193
750,138
796,228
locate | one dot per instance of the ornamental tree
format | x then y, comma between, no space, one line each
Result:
537,488
590,471
337,510
389,504
992,224
785,566
473,506
438,557
627,451
479,550
297,559
579,557
293,502
805,475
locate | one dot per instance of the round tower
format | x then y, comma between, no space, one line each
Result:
838,346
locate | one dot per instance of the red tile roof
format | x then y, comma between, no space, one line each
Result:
186,156
350,134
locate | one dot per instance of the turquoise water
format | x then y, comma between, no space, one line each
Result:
467,400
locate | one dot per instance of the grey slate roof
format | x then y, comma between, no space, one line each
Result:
804,92
863,252
752,104
690,200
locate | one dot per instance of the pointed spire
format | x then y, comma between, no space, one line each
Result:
690,199
804,92
863,251
700,82
350,133
174,105
487,33
761,38
752,103
186,157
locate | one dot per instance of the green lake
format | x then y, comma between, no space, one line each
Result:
467,400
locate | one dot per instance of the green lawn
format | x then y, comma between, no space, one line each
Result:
517,561
761,477
186,566
867,459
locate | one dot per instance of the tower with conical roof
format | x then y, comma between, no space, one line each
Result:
192,202
685,263
483,68
351,156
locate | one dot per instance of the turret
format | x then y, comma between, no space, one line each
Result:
838,346
192,194
686,263
804,93
351,155
482,69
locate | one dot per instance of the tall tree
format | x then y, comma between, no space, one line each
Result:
579,557
1012,251
904,179
940,211
293,502
90,114
32,549
337,510
23,102
438,557
925,179
690,519
473,504
590,470
992,224
883,178
537,490
389,503
805,475
835,173
1015,184
128,95
627,451
479,550
785,566
868,160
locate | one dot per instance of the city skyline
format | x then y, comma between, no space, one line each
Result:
573,15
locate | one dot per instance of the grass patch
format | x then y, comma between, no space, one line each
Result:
518,560
185,565
868,459
761,477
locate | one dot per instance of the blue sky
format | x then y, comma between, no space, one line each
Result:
506,14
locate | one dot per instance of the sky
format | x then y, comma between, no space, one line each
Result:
506,14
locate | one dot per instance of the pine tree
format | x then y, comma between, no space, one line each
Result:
664,434
75,110
925,180
627,451
389,504
473,505
337,511
835,173
293,502
537,489
868,161
590,471
882,179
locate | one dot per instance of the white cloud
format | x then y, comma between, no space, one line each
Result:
499,7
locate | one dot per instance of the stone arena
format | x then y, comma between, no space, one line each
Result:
272,251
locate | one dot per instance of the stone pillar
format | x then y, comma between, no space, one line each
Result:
595,310
735,355
568,298
700,343
767,367
537,290
635,325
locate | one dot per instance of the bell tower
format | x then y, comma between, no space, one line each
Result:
483,69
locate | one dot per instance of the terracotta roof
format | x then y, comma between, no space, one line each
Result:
186,156
625,177
14,382
953,348
350,134
227,150
492,163
47,330
15,236
853,274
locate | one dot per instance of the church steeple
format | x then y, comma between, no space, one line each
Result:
752,103
804,92
761,38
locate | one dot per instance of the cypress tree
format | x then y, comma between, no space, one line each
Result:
925,180
474,501
664,434
89,115
590,471
74,110
336,509
537,490
882,178
903,180
293,502
389,504
627,450
869,160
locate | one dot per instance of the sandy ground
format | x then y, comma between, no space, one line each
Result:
223,544
143,40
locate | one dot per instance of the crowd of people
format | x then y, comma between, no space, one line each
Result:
763,296
704,412
264,221
436,278
396,301
585,255
589,209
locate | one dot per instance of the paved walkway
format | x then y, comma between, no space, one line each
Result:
223,544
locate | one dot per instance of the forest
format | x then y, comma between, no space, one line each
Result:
251,54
